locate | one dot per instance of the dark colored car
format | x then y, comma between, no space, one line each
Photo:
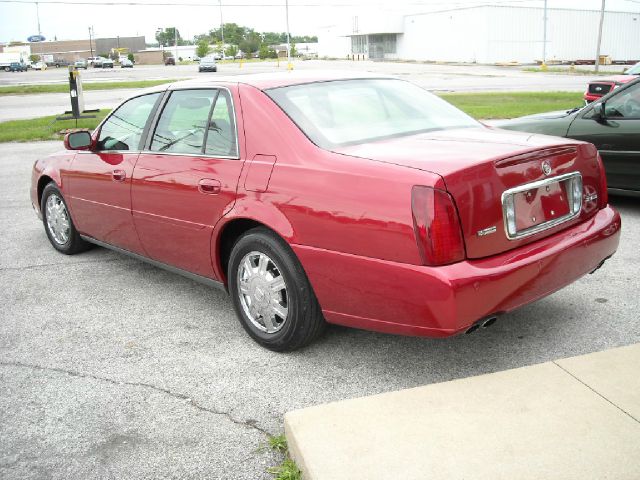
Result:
599,88
169,61
208,64
17,67
366,202
107,63
612,124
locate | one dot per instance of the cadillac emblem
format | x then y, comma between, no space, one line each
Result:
546,168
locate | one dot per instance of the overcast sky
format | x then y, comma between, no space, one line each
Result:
64,21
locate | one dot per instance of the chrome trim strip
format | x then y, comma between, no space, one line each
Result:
550,223
191,276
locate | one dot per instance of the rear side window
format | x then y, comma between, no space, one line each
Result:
196,122
123,129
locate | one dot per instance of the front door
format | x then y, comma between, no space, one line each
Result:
187,179
616,136
99,181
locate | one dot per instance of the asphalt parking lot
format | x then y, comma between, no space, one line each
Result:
111,368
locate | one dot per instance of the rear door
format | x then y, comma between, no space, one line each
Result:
617,137
187,177
99,181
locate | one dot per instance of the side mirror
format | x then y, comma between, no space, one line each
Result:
598,112
78,141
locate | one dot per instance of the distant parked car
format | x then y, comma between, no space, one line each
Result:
611,123
126,63
17,67
39,66
599,88
107,63
207,64
169,61
81,63
58,62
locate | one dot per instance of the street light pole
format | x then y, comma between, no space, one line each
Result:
599,37
289,66
90,43
38,17
221,27
544,37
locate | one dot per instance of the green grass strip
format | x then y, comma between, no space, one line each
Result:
478,105
512,104
64,87
43,128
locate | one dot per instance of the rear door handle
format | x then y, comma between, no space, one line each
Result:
119,175
209,186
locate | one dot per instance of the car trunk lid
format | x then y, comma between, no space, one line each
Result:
483,168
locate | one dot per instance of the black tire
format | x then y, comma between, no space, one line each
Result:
304,321
74,243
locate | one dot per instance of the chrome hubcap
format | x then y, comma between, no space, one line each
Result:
263,292
58,222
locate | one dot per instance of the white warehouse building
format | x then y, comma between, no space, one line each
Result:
484,34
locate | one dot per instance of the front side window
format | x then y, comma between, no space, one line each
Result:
123,129
625,104
349,112
195,122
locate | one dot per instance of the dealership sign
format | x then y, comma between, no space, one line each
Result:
36,38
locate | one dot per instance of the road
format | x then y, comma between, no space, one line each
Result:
461,78
111,368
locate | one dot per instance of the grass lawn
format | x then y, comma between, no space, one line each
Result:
512,104
42,128
478,105
64,87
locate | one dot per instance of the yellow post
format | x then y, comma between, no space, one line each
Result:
290,66
544,67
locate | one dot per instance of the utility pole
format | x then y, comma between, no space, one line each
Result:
38,17
289,66
175,43
221,27
90,44
544,38
599,37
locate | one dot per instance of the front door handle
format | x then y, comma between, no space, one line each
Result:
119,175
209,186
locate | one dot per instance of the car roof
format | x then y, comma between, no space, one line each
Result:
265,81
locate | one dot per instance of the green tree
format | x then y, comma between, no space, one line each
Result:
251,42
34,58
167,36
231,51
264,51
292,50
130,57
203,48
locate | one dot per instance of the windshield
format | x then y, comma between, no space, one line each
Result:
635,70
348,112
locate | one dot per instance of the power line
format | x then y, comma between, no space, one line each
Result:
252,5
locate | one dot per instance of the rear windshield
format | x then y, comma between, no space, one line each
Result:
349,112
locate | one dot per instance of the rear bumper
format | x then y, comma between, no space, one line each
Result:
441,301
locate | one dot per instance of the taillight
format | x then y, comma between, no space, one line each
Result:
437,226
603,195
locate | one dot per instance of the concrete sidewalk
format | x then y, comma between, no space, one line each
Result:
577,418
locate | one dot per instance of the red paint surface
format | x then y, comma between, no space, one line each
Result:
348,215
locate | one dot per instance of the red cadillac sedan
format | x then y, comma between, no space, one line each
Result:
361,201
